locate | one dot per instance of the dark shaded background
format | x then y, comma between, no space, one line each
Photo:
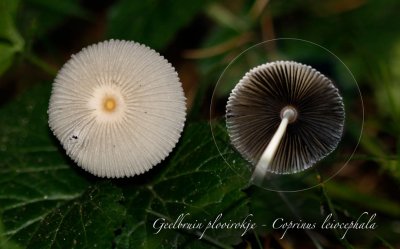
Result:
200,38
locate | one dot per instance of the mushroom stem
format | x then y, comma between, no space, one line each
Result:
288,115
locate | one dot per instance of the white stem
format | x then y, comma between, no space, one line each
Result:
269,153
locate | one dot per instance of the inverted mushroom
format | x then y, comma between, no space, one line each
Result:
284,117
118,108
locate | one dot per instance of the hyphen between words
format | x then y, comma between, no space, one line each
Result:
364,222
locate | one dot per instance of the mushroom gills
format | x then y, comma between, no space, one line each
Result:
283,117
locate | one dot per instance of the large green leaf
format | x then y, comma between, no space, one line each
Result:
44,202
152,22
198,182
48,202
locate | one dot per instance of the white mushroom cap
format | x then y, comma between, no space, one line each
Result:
118,108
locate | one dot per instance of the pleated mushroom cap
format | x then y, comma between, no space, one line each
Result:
118,108
255,107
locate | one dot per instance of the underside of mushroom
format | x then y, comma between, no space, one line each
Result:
292,102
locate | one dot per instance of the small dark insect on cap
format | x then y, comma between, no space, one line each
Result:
254,112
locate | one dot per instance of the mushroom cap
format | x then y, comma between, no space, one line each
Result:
255,106
118,108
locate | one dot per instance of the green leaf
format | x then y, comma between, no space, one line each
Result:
66,8
44,201
364,200
10,40
267,206
86,221
198,182
7,53
4,242
44,16
152,22
8,31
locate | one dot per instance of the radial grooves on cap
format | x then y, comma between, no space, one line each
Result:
140,127
253,115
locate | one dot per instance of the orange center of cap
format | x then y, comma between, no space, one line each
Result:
109,104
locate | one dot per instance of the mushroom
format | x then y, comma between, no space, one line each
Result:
283,117
118,108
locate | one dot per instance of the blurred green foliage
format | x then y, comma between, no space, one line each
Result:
130,20
43,193
10,40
